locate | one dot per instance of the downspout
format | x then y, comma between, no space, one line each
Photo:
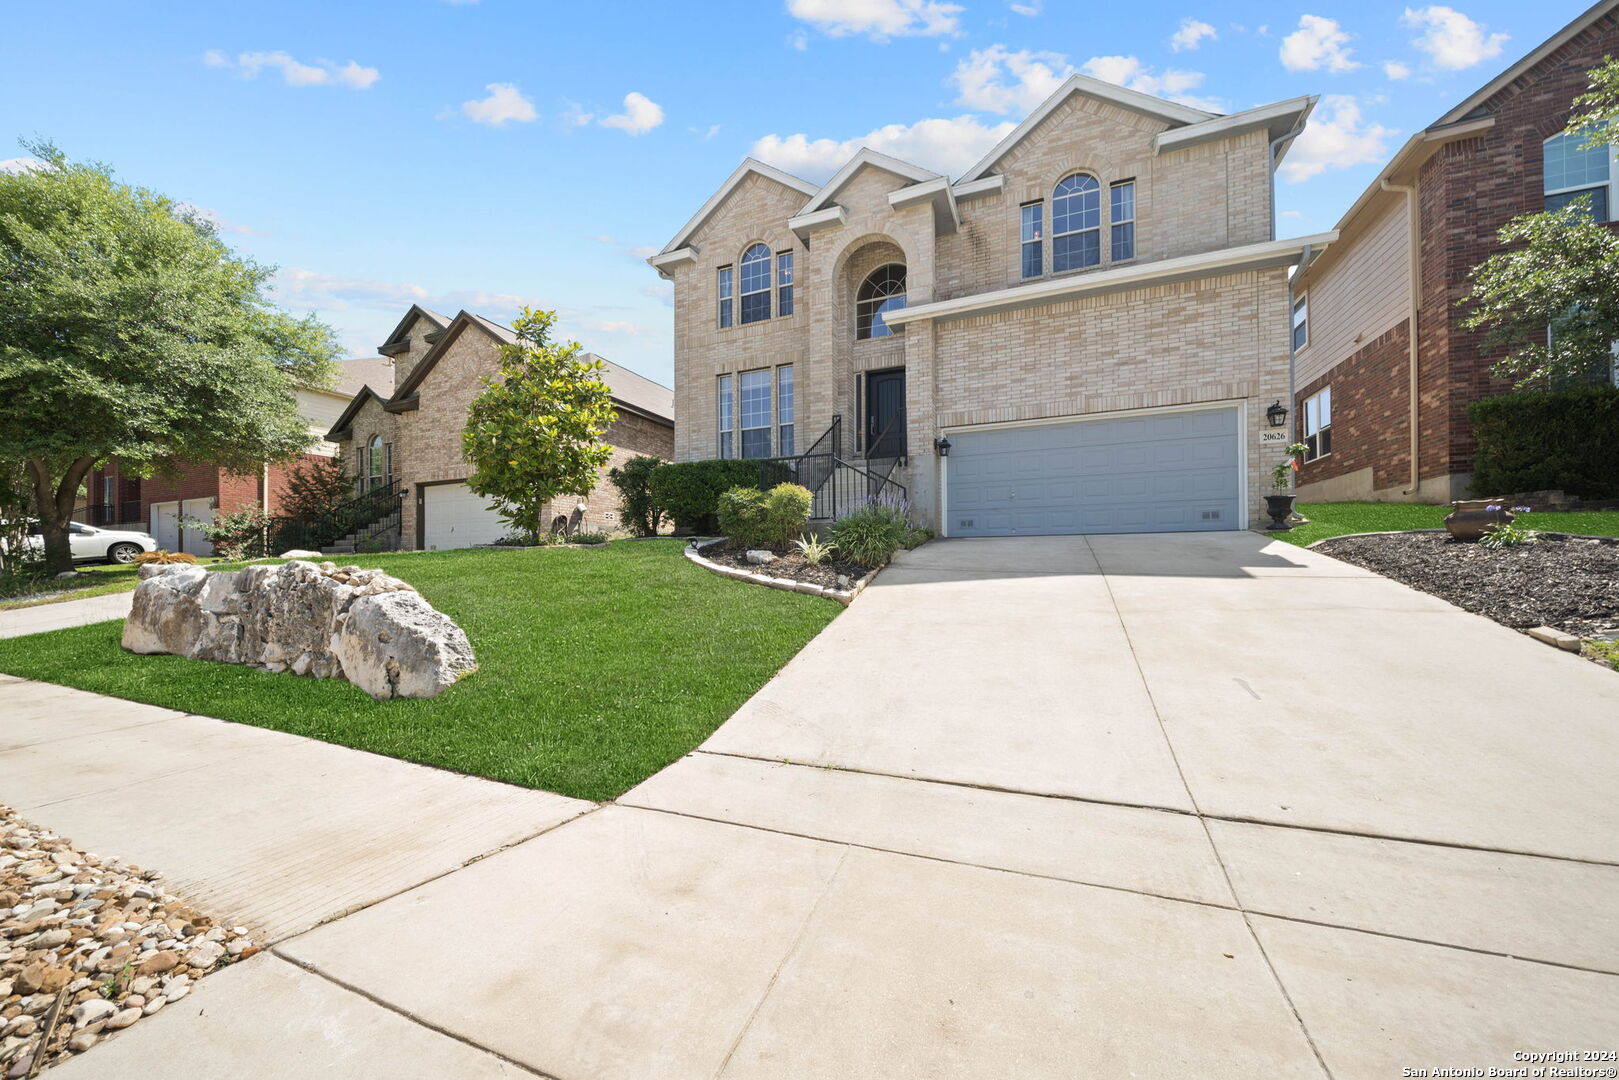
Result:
1276,145
1414,302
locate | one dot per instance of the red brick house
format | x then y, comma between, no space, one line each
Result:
158,503
1383,410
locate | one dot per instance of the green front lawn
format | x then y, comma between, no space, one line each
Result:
1337,519
597,667
97,579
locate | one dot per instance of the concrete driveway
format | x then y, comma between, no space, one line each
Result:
1197,806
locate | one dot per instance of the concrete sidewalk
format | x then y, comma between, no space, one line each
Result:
64,613
1197,806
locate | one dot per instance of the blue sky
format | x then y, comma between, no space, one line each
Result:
490,153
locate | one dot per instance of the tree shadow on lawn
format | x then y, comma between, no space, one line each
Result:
597,667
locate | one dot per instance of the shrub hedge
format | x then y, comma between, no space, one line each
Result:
689,491
1543,440
642,514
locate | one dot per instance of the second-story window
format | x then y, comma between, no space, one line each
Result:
725,297
1076,223
784,283
1122,220
755,284
1301,322
1031,238
1569,171
882,291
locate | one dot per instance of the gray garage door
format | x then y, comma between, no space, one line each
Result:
1164,472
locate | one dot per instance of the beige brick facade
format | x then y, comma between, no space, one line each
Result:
1221,336
426,420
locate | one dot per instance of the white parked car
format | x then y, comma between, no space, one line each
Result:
90,544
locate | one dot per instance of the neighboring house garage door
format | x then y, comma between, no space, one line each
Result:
1151,472
453,516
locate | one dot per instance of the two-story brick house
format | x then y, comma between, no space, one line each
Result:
409,431
1082,333
1383,409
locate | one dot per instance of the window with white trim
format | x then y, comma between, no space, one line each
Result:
756,413
1301,322
1122,220
784,283
882,291
755,284
724,289
1569,171
784,410
1031,238
725,415
1076,223
1318,424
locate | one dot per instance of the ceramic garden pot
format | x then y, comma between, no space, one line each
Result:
1470,520
1280,508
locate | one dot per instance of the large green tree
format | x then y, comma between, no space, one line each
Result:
535,430
1551,298
128,330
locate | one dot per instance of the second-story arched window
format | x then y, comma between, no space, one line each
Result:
756,284
882,291
1076,223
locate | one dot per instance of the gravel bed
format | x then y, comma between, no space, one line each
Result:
89,946
788,564
1570,583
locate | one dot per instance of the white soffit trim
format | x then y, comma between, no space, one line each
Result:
668,260
989,185
1167,111
1546,48
937,191
1144,275
1279,119
749,165
805,224
866,157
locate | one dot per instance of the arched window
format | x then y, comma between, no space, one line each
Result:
882,291
373,462
756,284
1076,223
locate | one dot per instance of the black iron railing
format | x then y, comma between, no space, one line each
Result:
838,485
102,515
371,517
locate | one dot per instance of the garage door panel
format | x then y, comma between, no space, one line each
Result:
1174,472
454,516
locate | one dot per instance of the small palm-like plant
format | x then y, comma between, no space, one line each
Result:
815,550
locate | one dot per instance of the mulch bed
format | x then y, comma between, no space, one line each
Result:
1566,582
788,564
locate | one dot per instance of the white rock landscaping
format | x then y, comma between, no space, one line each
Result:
312,619
89,946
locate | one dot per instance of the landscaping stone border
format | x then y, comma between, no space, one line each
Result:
842,596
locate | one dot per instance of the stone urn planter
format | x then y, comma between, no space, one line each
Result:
1280,508
1472,518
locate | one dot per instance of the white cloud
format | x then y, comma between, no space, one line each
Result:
641,114
1395,69
212,217
663,292
1318,43
798,40
1130,72
295,72
1000,81
946,146
613,326
576,116
1452,40
1337,137
295,286
879,19
1191,34
1292,213
505,103
1029,10
20,165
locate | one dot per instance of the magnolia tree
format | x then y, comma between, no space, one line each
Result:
1551,300
535,430
131,332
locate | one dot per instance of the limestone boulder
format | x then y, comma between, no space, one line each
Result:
312,619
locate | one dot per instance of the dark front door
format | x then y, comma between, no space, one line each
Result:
885,413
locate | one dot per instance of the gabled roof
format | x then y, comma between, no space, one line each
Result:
358,372
629,390
749,167
351,410
866,158
1535,56
400,337
1170,112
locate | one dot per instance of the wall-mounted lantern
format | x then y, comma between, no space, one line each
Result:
942,445
1277,415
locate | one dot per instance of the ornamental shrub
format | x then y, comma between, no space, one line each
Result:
689,491
1544,440
870,534
741,516
786,512
642,514
163,558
